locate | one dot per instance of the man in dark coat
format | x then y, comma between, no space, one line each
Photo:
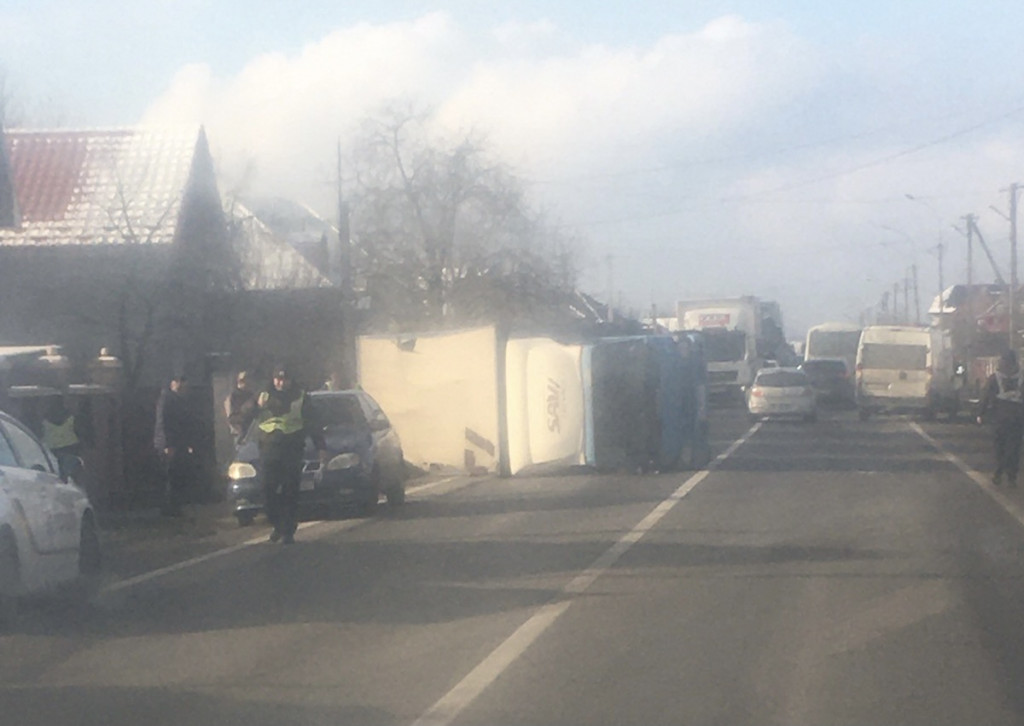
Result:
1002,405
285,420
240,406
175,437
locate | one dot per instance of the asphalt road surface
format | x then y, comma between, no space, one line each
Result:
842,572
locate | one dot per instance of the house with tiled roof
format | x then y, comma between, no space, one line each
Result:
117,239
111,238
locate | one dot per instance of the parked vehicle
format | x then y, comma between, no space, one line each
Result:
833,340
907,369
740,333
365,460
782,393
831,380
48,533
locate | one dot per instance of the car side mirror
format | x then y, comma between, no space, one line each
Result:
379,424
73,468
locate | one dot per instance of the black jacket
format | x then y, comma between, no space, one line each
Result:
1002,409
176,424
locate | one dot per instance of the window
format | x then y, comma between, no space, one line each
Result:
824,367
338,410
782,379
29,452
894,357
7,457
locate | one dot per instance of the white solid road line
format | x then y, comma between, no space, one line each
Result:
329,527
1012,508
445,710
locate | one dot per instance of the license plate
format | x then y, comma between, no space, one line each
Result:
307,485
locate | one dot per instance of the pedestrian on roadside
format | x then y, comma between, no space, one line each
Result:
285,420
175,437
240,407
1002,405
64,433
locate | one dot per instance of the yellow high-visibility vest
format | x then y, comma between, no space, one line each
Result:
289,422
59,436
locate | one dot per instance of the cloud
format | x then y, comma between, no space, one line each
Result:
728,159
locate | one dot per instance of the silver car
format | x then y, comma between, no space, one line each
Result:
48,531
782,392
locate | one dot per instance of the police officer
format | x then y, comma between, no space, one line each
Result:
62,435
1002,405
285,420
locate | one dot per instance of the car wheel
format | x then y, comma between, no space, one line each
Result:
245,518
396,495
10,579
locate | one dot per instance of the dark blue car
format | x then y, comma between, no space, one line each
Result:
364,460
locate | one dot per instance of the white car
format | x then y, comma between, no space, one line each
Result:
782,392
48,531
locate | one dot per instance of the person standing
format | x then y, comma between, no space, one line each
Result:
285,420
1002,405
175,437
63,434
240,406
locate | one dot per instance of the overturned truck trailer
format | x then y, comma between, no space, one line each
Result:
474,401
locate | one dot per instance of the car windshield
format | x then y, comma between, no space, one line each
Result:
824,367
724,346
338,410
782,379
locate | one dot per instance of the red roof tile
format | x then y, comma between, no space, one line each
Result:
91,187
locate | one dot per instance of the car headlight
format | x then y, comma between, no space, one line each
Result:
343,461
241,470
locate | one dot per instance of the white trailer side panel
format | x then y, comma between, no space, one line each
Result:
440,392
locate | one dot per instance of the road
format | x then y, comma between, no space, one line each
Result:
842,572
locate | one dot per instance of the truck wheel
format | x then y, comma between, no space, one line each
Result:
396,495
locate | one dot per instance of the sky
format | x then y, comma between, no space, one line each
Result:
808,152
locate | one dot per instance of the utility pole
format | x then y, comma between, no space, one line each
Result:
344,281
1012,298
917,297
942,289
895,303
906,298
611,288
970,284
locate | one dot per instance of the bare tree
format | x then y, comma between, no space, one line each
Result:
446,233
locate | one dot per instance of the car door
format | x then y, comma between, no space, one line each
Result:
30,502
385,441
53,522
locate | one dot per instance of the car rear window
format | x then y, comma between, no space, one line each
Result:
782,379
894,356
833,367
338,410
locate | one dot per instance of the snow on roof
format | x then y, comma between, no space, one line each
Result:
75,187
269,262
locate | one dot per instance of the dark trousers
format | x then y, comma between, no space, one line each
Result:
179,471
281,478
1008,444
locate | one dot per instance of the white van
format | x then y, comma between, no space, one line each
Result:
906,369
